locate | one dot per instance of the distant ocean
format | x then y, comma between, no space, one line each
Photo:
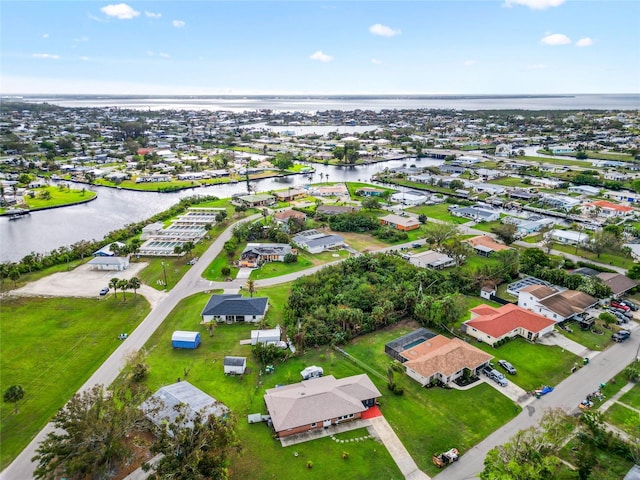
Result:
345,102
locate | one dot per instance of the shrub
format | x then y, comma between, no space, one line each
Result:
225,271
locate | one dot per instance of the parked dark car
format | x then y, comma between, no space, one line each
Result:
630,304
621,336
507,366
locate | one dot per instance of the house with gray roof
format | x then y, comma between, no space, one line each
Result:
255,254
116,264
161,406
233,307
315,242
319,402
475,213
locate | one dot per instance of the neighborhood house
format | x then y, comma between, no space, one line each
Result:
314,241
319,403
255,254
233,307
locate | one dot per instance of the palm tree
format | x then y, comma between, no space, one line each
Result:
113,283
123,285
251,287
134,284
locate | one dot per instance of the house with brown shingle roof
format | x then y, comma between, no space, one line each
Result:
490,324
400,223
485,245
553,303
444,359
618,283
319,402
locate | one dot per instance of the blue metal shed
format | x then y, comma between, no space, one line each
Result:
181,339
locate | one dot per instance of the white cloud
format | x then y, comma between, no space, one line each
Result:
46,55
534,4
584,42
178,23
84,59
164,55
556,39
95,19
319,55
375,61
536,67
121,11
45,35
383,30
152,15
468,63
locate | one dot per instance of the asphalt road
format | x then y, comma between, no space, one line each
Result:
568,394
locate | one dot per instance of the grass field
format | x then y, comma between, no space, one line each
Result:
590,340
439,212
444,414
624,418
608,257
58,197
632,397
537,364
51,347
305,261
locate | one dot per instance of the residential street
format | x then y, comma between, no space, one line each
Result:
568,394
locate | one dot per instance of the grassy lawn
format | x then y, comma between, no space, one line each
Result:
509,182
537,365
67,339
362,242
57,197
439,212
154,273
587,338
624,418
610,257
632,397
487,226
305,261
264,457
445,417
353,187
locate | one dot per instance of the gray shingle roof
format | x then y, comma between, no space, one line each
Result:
235,304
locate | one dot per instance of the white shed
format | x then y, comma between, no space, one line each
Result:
266,337
312,372
235,365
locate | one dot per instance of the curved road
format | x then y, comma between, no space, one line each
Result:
568,394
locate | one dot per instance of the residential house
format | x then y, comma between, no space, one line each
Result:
606,209
553,303
409,198
561,202
254,201
475,213
432,259
337,190
233,307
400,223
442,359
162,406
282,218
525,195
315,241
319,403
568,237
485,245
336,209
370,192
489,188
291,194
255,254
584,190
106,250
619,284
490,324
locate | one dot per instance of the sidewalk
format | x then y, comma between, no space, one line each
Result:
555,338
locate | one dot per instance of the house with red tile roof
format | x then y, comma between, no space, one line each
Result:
491,324
606,209
444,359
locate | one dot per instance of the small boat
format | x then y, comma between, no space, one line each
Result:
17,213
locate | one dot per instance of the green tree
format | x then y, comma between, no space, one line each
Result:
13,394
14,276
92,434
437,233
283,161
505,232
195,446
634,271
114,284
134,284
187,247
123,285
370,203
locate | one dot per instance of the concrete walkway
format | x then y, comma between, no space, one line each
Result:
324,432
514,392
605,406
555,338
381,429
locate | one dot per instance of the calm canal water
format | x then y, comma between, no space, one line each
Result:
44,231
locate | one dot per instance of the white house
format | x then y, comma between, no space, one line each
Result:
568,237
115,264
432,259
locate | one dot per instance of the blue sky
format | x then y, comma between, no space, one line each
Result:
309,47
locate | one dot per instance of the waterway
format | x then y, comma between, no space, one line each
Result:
44,231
